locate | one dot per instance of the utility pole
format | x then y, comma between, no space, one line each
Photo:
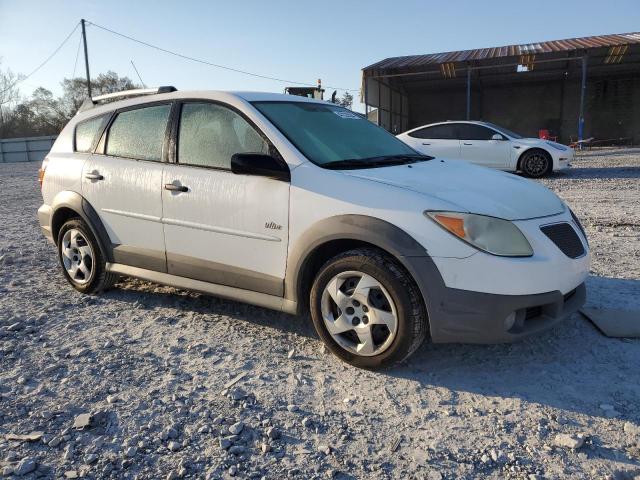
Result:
86,57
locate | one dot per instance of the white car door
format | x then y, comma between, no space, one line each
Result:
439,141
221,227
123,183
477,145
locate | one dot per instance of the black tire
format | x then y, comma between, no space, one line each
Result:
99,279
536,163
412,320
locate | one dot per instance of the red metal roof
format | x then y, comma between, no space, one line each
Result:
412,62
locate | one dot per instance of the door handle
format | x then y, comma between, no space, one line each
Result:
94,176
175,188
468,144
426,143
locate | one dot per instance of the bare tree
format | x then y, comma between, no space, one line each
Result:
9,92
44,114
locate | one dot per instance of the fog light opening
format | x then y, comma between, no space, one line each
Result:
510,321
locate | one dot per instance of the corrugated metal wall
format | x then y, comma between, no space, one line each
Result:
28,149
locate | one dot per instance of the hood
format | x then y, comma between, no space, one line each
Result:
535,142
472,188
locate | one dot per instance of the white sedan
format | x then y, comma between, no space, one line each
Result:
489,145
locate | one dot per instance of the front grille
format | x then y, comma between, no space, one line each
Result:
565,238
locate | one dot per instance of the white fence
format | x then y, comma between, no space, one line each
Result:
28,149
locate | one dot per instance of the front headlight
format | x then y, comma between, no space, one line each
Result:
489,234
557,146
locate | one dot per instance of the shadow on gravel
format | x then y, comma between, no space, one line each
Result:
153,296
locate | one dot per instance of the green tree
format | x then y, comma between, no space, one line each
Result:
346,100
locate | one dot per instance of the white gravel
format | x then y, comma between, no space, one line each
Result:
179,385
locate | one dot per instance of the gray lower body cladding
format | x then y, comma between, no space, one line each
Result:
455,315
462,316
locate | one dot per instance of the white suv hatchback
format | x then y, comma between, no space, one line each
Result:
294,204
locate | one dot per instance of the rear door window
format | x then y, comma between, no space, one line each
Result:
139,133
440,132
87,133
469,131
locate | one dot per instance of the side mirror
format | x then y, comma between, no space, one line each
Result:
261,165
497,136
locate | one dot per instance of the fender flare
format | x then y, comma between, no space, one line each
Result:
80,205
374,231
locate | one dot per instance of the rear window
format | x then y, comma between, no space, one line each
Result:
139,134
87,133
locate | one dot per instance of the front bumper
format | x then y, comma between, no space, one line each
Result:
464,316
563,159
472,317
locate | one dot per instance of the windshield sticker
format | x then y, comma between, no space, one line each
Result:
345,114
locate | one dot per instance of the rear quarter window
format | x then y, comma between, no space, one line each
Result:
87,133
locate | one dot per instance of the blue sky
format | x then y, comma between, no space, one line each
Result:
296,40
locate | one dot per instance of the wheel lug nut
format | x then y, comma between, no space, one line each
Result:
356,303
365,319
365,309
355,321
350,311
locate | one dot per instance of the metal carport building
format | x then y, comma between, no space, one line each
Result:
575,88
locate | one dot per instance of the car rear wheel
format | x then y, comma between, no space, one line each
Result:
536,163
82,261
367,309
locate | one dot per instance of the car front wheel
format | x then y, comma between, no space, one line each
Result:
536,163
367,309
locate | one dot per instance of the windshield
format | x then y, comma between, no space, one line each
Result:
507,132
334,137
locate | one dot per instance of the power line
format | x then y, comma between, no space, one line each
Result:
205,62
75,64
22,79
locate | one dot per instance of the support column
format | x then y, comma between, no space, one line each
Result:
468,92
583,89
86,58
366,97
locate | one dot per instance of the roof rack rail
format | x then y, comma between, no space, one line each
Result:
91,102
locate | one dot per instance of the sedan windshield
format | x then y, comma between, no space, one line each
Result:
334,137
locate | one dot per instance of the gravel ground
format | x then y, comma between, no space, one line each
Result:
162,383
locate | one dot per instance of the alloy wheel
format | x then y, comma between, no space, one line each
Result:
536,164
359,313
77,256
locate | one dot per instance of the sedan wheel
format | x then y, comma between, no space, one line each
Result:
536,164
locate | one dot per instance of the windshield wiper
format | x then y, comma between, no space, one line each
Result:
372,162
